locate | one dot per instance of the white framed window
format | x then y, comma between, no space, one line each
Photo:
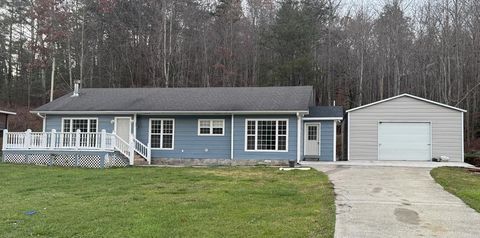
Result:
84,124
89,127
266,135
161,133
211,127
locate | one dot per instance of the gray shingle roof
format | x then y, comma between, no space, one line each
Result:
326,111
297,98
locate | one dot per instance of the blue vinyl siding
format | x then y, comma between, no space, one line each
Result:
326,141
239,139
187,143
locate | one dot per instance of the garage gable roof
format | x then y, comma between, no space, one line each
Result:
410,96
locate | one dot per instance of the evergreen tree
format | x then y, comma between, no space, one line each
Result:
293,36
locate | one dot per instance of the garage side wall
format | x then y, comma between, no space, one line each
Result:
446,127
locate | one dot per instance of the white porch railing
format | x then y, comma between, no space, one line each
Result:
75,141
123,147
57,140
142,149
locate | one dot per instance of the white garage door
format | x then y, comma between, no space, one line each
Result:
404,141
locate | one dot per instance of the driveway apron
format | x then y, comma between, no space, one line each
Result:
373,201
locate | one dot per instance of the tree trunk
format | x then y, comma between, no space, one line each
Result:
360,83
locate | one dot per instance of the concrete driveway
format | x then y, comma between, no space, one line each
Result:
376,201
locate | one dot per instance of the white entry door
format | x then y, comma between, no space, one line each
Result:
404,141
312,140
123,127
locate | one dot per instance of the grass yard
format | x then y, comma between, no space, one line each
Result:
460,182
164,202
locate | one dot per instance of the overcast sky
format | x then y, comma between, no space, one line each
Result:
375,6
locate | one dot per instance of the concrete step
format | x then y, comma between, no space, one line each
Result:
139,160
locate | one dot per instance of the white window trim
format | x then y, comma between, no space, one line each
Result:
79,118
276,134
161,129
211,127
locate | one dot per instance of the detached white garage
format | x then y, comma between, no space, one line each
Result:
404,127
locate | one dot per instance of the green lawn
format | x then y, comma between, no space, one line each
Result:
460,182
164,202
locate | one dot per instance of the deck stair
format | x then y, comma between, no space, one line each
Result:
139,160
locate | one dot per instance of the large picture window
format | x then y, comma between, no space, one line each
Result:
266,135
86,125
161,133
211,127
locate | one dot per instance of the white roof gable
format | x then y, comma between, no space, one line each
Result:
407,95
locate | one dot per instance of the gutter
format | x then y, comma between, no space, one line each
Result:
172,112
44,120
40,115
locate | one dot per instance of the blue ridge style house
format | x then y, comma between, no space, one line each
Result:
104,127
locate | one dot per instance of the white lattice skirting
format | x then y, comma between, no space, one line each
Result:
67,160
116,160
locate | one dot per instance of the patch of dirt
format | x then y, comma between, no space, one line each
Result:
475,171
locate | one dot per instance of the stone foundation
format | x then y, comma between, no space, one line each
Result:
220,162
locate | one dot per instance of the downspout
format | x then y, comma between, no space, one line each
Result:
299,128
334,139
463,138
44,119
231,137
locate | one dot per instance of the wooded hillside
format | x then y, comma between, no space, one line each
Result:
352,56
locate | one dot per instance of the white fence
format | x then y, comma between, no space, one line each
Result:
86,141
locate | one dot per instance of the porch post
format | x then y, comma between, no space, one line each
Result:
5,138
77,139
131,149
53,139
149,153
28,136
135,125
114,139
103,142
45,140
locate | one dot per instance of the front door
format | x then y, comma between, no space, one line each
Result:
123,128
312,140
